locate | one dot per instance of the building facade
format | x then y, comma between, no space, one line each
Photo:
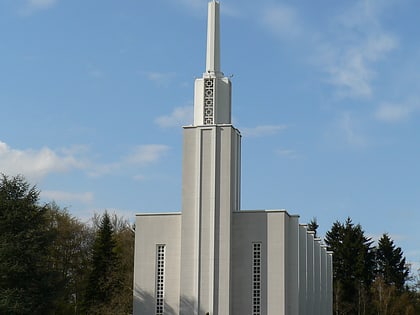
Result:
213,258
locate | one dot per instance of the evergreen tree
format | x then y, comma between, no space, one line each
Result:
313,226
353,266
391,265
103,279
27,282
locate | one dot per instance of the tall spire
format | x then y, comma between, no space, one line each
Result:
212,92
213,39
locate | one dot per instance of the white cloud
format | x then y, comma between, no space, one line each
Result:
351,65
180,116
36,163
41,4
194,4
264,130
140,156
349,49
104,169
160,78
56,195
394,113
352,135
31,6
287,153
145,154
282,20
139,177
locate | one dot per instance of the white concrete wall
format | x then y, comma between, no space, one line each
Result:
329,283
221,105
302,269
247,227
211,174
153,230
310,273
292,265
317,277
323,301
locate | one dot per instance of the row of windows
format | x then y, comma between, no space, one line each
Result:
160,279
256,278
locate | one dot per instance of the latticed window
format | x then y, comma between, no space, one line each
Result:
256,278
209,101
160,279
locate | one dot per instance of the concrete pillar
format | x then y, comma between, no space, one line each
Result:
302,269
292,266
329,301
323,301
317,277
310,302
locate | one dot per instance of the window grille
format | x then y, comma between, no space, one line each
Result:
256,278
209,101
160,279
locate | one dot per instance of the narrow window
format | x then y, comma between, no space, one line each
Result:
160,279
209,101
256,278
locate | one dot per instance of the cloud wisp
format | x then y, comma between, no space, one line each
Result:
395,113
350,66
180,116
64,196
263,130
350,132
347,51
32,6
160,78
287,153
282,20
36,164
140,156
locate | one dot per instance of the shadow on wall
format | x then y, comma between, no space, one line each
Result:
144,304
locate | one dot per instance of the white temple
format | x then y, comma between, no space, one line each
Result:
213,258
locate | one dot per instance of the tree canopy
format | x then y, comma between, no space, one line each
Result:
27,281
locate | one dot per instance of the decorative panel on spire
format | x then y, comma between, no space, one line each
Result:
212,99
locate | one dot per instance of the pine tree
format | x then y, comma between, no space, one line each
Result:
313,226
353,266
27,282
103,279
391,265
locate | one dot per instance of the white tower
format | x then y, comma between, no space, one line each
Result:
211,180
213,258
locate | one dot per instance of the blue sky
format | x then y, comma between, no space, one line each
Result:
93,95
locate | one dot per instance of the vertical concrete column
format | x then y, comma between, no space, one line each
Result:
329,283
302,269
292,266
276,263
323,301
310,302
317,277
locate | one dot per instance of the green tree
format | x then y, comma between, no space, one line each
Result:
313,226
27,281
103,279
69,255
391,264
353,267
121,301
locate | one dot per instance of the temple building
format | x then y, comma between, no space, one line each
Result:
214,258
